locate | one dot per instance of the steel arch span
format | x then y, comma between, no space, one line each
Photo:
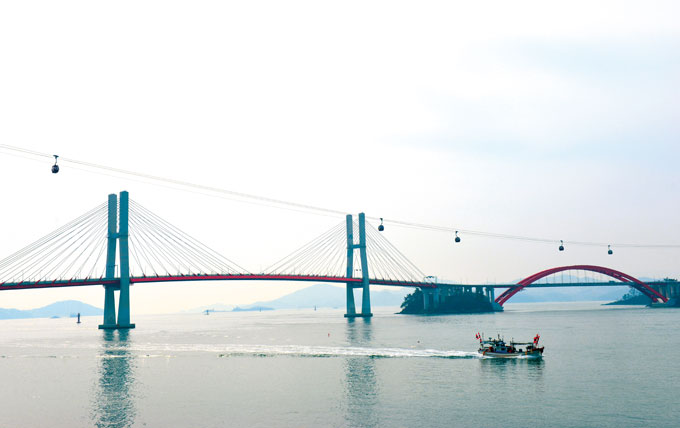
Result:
623,277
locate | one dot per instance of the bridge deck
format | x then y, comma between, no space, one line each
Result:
29,284
305,278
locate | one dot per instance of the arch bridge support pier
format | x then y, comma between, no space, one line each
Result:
670,290
431,298
118,232
361,246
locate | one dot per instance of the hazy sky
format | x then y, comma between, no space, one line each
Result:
525,118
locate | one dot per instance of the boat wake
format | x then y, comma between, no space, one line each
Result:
328,351
149,350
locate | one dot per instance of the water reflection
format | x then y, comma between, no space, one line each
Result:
113,405
504,367
360,379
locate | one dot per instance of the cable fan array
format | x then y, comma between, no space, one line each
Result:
385,261
75,250
157,248
326,255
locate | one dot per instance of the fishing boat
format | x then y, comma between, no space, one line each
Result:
498,348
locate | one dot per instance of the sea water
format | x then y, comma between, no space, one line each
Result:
603,367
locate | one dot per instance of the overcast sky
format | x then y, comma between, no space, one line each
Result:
524,118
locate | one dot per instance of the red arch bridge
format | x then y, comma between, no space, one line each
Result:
120,243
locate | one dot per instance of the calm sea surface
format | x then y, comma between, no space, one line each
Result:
603,367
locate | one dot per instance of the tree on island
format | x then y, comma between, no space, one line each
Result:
458,303
413,303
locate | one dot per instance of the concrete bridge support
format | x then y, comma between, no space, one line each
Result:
431,298
349,299
670,290
123,234
366,293
109,297
117,231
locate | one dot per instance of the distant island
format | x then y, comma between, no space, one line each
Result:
252,309
463,303
633,297
63,309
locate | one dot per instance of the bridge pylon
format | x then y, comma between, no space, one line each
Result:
363,257
118,231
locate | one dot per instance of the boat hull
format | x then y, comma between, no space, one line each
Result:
522,355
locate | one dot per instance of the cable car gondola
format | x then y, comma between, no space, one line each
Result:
55,167
457,237
381,227
609,250
561,245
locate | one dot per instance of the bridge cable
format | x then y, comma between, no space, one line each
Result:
189,249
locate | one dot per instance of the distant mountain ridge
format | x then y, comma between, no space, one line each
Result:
320,296
66,308
330,296
568,294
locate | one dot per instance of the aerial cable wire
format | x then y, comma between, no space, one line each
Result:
284,204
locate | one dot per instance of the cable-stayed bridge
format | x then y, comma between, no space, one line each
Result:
120,243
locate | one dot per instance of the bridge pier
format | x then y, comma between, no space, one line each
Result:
431,299
117,233
349,299
365,284
109,309
351,306
491,295
109,321
123,234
